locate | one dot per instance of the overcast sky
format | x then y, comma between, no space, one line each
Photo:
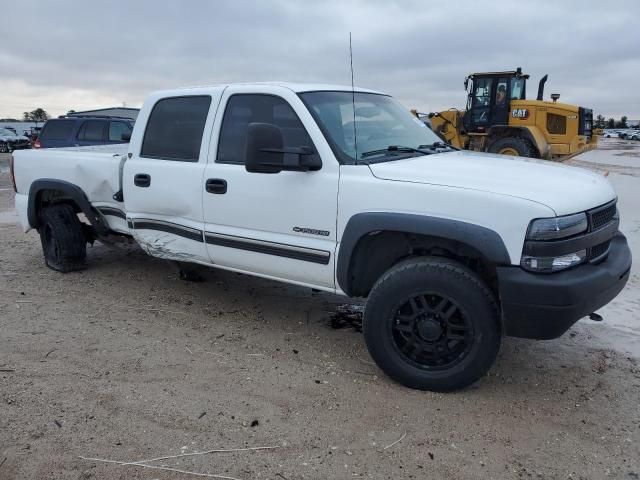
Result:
82,54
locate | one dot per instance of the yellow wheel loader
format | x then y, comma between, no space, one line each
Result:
499,119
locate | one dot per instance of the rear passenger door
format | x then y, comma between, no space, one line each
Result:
162,179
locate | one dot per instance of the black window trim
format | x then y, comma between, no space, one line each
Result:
171,159
343,158
224,113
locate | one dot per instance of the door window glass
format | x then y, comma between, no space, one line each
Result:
92,131
482,92
517,89
244,109
175,127
501,92
117,129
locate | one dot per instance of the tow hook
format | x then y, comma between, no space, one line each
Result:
595,317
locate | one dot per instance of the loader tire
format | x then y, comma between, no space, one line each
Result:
63,240
514,146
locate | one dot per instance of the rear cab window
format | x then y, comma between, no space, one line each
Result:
57,129
175,128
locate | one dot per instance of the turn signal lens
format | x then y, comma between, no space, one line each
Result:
553,264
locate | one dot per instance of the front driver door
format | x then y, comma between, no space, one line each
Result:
279,225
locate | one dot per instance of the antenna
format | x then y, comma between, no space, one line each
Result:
353,99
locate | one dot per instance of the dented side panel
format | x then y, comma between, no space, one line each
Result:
95,172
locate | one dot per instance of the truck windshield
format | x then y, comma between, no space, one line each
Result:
380,123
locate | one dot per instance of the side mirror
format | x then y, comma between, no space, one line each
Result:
266,153
126,137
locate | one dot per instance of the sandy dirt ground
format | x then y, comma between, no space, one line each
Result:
124,361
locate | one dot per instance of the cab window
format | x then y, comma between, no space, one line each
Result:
517,89
501,91
117,130
175,127
482,92
243,109
92,131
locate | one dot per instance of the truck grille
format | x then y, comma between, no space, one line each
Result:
599,251
599,217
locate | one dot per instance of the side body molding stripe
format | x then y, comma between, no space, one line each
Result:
114,212
484,240
241,243
269,248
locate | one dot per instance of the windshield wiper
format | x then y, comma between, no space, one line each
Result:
436,145
395,148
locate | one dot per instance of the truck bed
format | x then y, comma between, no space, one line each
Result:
95,169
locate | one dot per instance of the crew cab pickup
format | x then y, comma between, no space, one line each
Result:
344,191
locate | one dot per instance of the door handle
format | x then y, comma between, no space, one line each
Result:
142,180
216,185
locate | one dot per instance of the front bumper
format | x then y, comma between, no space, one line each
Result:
544,306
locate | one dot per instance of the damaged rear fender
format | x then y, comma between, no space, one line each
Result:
47,188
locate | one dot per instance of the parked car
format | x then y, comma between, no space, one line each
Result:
79,131
452,249
634,135
32,133
10,141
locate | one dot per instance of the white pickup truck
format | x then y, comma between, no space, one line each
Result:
344,191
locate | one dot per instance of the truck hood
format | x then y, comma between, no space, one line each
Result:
562,188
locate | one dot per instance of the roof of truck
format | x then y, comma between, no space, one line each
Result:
296,87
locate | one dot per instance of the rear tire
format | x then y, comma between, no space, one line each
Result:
63,241
431,324
514,146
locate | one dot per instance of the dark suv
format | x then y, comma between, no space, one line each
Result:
79,131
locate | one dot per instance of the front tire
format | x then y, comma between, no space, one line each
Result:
63,241
514,146
432,324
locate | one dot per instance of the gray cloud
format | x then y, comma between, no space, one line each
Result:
74,54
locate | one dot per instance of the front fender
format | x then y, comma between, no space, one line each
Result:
482,239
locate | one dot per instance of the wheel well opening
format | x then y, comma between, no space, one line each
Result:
378,251
48,197
499,133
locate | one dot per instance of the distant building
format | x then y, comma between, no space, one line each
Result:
633,123
112,112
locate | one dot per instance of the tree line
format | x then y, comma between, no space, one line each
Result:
600,122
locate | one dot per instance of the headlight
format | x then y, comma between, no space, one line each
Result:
552,264
557,227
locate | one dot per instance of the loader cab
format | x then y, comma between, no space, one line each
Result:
489,96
